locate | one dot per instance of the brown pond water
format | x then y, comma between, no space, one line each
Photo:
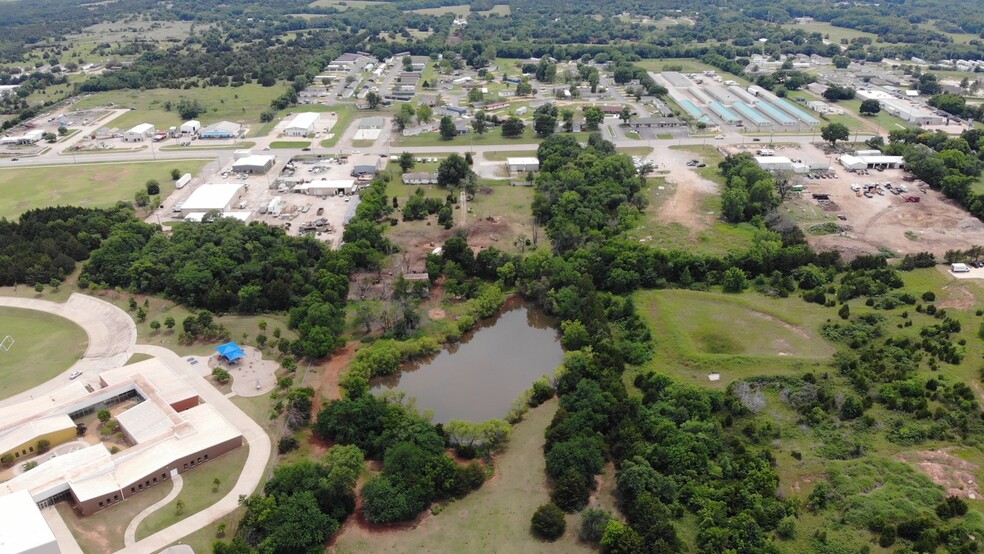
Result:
480,377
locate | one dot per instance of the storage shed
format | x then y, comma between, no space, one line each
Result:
191,127
139,133
526,164
774,163
254,164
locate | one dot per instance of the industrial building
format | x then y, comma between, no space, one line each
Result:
139,133
191,127
774,163
656,122
221,197
526,164
327,187
907,110
871,162
29,137
23,530
302,125
255,164
221,130
168,428
199,217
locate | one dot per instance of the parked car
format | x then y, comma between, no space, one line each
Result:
74,374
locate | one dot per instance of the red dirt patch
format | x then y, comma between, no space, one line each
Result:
958,477
328,378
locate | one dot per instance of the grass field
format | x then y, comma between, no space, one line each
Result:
288,144
343,4
688,65
237,104
463,9
495,518
44,346
831,33
498,9
86,185
198,491
102,532
697,334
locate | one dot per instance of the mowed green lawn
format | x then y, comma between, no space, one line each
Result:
198,491
87,185
44,346
237,104
696,333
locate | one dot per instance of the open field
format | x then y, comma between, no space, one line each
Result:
102,532
237,104
687,65
698,335
497,216
495,518
463,9
343,4
290,144
44,346
498,9
829,32
86,185
198,491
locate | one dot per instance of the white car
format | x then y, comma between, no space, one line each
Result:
74,374
719,137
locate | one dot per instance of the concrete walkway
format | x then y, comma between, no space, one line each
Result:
112,340
66,541
112,334
130,535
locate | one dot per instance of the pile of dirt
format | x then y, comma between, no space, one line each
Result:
956,476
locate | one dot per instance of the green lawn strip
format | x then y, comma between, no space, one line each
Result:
288,144
198,491
44,346
88,185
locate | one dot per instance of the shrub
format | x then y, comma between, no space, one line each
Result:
43,446
786,528
221,375
287,444
929,296
571,491
593,523
548,522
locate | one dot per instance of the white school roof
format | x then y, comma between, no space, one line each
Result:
30,431
22,527
164,380
212,197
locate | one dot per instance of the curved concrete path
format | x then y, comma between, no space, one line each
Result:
112,340
112,334
130,535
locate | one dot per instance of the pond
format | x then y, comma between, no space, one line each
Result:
480,377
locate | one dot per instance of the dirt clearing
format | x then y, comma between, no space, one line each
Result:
958,477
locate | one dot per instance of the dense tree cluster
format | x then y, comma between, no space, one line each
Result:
750,191
44,245
416,469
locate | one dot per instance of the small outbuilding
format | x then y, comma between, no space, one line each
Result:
420,178
522,165
774,163
191,127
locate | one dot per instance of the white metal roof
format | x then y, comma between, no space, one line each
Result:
141,129
523,161
164,380
22,527
881,159
304,120
253,161
327,184
773,160
145,421
212,197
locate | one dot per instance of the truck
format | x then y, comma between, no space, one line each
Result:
765,152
